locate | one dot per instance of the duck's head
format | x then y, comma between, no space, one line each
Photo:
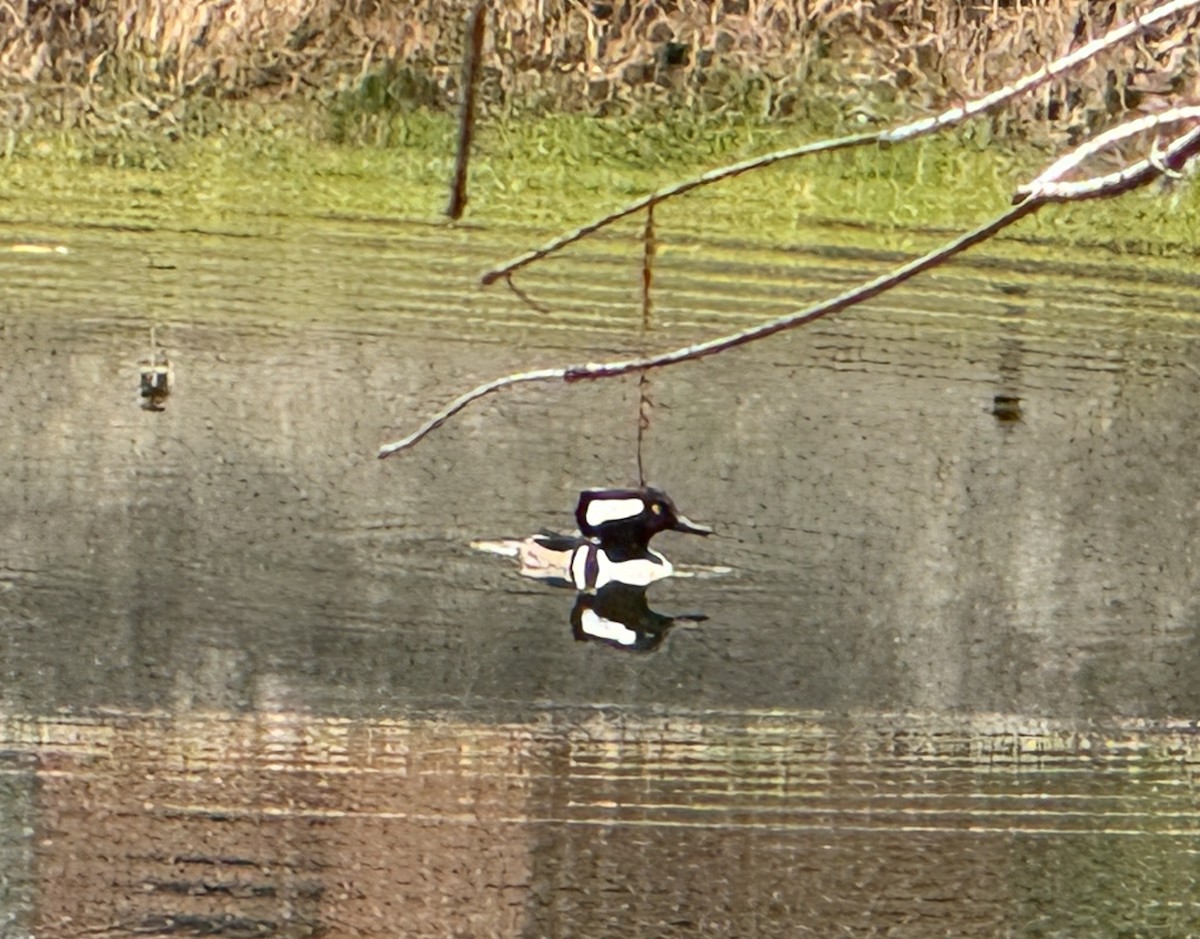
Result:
630,516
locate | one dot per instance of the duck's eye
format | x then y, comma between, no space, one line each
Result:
656,508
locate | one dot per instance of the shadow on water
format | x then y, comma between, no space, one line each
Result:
258,679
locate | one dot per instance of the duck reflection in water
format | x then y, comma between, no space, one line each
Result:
610,562
619,616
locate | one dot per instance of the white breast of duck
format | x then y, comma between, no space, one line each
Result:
578,562
592,568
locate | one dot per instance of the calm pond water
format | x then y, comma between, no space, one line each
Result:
254,682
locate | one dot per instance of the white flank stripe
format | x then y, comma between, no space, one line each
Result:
639,572
595,625
610,510
579,567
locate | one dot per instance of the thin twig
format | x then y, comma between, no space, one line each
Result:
573,373
1028,201
524,296
544,374
1045,73
1168,160
725,172
905,132
649,247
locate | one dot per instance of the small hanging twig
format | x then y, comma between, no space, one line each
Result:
544,374
649,249
524,296
649,246
1028,201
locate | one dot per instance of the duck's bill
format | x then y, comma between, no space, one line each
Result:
686,525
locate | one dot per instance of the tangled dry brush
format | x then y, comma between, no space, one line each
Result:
827,60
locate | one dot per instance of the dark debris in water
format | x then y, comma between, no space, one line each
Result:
1006,408
155,385
196,888
198,924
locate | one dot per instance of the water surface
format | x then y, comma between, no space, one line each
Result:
255,682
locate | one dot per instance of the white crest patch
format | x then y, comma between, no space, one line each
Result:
600,511
595,625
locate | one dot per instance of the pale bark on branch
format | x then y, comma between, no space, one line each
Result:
1048,187
905,132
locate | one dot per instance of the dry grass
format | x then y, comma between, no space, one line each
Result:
823,60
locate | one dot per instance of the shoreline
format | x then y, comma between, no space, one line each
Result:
147,63
560,172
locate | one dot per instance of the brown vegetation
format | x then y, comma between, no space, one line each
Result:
828,61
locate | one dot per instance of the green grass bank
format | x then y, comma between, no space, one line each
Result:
560,171
230,113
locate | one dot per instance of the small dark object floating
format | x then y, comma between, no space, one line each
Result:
1006,408
673,54
155,385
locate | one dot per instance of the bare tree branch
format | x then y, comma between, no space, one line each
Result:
1168,160
725,172
1047,187
544,374
905,132
1029,82
1029,199
593,370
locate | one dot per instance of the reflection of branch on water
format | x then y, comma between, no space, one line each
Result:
1047,188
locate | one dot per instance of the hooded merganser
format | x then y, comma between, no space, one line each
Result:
613,546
